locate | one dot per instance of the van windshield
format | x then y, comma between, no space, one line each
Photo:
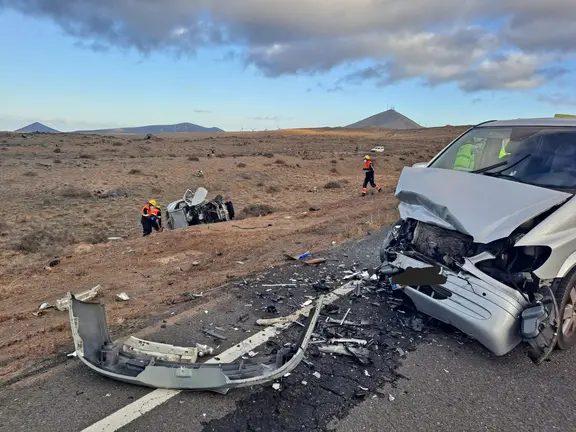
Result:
541,156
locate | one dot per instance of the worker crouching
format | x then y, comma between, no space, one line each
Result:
151,218
369,176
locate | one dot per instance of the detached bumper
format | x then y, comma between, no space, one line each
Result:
165,366
481,307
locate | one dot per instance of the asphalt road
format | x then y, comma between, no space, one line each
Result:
431,380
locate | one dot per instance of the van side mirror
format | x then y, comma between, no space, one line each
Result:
420,165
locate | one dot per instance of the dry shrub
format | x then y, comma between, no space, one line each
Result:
260,184
273,189
117,144
333,185
245,176
76,192
334,171
135,171
221,156
30,174
57,161
255,210
268,155
334,161
87,156
193,159
241,165
172,155
96,237
43,239
280,162
57,150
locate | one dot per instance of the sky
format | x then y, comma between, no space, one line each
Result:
256,64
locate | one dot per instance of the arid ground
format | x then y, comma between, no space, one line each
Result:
65,195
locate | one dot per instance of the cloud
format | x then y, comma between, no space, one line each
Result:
558,99
201,111
437,41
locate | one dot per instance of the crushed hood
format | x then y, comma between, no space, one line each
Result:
481,206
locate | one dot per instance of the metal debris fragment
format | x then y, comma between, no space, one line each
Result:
214,334
63,304
345,316
352,341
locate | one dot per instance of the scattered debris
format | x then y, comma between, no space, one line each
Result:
279,285
42,308
352,341
352,276
64,303
114,238
317,374
315,261
296,258
276,386
122,296
391,398
214,334
345,316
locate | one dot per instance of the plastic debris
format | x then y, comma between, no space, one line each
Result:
64,303
391,398
276,386
122,296
317,375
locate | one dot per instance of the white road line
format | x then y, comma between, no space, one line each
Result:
147,403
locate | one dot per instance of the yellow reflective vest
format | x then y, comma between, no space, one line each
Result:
464,158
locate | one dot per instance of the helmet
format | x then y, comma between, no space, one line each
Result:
367,157
152,202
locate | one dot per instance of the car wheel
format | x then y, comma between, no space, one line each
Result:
389,237
566,298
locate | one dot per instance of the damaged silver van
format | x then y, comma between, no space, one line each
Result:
487,236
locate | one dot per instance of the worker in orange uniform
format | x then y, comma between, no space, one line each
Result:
151,218
369,178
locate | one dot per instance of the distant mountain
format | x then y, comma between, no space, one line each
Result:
37,127
156,129
390,119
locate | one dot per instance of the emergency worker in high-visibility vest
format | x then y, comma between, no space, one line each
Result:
503,151
465,158
369,176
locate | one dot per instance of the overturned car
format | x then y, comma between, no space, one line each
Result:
494,214
194,209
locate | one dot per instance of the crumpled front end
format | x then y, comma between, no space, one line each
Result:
165,366
485,290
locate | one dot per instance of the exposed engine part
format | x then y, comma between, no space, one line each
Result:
437,243
539,325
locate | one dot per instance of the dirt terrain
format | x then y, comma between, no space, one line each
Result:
66,195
